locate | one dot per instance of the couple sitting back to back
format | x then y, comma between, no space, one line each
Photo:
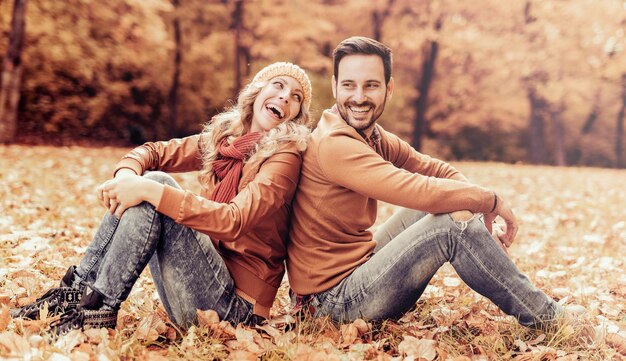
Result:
273,192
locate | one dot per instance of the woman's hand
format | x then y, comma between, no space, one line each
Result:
120,193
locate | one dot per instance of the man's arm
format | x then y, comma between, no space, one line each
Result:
404,156
352,164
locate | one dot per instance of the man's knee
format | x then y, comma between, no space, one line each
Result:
161,177
462,216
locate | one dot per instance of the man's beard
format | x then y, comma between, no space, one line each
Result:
343,111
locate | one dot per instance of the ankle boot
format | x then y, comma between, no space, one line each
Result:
90,313
59,299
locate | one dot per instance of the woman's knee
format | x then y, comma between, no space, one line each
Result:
161,177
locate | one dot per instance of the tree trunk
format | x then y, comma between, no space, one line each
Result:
558,135
173,94
239,50
593,114
378,20
619,133
10,82
537,128
423,86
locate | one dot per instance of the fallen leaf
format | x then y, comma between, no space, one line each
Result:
307,353
451,282
55,356
5,299
286,339
243,334
155,356
96,335
171,334
207,317
571,357
282,321
35,340
23,301
242,355
361,326
521,345
83,348
272,331
125,319
5,317
617,342
150,328
537,340
418,348
349,334
223,329
69,341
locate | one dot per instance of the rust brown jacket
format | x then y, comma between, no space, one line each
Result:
252,229
336,203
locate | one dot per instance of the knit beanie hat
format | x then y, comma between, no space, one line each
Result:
288,69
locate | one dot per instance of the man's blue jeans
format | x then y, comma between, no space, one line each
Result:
412,246
188,272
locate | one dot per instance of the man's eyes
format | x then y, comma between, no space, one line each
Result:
367,86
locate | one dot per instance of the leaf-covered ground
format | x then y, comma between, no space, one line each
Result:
572,244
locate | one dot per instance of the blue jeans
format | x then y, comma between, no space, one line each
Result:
412,246
188,272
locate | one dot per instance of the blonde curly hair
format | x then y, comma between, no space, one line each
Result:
237,120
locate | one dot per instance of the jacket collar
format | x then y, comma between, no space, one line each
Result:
331,119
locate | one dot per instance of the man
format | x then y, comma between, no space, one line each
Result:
336,267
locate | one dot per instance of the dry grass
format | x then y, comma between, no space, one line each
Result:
571,244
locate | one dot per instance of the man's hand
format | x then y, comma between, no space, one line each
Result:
507,235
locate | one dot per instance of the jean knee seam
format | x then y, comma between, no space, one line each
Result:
435,232
218,280
462,225
488,271
104,245
135,273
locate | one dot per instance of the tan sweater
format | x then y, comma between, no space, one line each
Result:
252,228
336,203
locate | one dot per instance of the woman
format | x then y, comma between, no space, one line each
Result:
223,250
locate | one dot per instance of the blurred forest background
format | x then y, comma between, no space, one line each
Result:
517,81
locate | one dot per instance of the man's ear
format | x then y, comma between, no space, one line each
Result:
390,88
334,85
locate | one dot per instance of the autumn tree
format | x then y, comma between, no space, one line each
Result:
532,81
10,81
178,53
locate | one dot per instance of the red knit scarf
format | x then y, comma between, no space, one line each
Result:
228,165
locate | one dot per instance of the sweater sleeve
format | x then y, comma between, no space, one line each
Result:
272,187
175,155
404,156
352,164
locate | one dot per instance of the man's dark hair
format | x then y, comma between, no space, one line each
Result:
360,45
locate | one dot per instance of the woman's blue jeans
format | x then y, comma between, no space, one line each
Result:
412,246
188,272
